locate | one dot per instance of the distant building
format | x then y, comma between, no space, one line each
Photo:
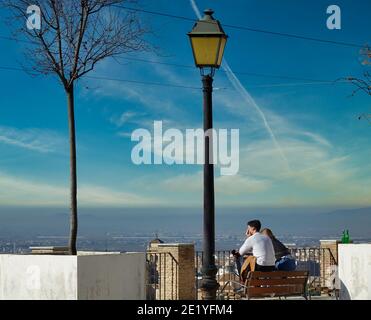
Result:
153,243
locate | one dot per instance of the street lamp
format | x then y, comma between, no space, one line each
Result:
208,42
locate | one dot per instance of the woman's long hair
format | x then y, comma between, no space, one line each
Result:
268,232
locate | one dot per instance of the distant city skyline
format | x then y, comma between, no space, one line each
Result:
31,223
321,158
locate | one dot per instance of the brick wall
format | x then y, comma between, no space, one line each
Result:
327,263
176,270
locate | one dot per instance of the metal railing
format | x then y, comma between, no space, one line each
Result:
225,264
162,276
320,263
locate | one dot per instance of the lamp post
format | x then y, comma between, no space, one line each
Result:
208,42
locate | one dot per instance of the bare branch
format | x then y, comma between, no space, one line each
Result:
77,34
362,84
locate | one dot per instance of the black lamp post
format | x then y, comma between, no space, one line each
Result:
208,42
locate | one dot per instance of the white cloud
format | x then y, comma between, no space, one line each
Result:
262,159
125,117
319,175
240,185
227,185
161,100
21,191
183,183
39,140
317,138
124,134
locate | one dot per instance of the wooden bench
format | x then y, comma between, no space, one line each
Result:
275,284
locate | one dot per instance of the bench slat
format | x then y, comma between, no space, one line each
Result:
272,282
278,290
279,274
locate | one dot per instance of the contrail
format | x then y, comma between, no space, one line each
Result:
246,96
250,100
195,9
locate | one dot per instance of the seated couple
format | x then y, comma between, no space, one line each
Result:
264,252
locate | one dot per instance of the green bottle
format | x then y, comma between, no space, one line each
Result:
347,236
343,237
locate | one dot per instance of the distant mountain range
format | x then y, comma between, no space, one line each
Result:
317,222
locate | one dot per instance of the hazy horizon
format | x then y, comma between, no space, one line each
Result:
23,222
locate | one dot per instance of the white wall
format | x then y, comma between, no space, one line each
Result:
115,276
355,271
42,277
53,277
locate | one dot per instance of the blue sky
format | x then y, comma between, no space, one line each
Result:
316,125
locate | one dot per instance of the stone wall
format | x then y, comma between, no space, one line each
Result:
329,260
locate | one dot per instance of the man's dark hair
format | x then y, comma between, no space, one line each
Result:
255,224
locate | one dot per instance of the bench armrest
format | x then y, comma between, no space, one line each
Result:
232,281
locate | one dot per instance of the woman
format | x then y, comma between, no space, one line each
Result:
284,260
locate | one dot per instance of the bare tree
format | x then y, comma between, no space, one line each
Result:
364,83
75,35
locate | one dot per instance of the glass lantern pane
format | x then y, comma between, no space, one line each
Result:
223,41
205,50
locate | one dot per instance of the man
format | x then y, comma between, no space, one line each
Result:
261,248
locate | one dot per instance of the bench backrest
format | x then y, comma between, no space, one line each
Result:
276,283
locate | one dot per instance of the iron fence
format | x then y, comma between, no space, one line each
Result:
225,264
322,267
162,276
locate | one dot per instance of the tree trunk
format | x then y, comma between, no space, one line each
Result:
73,175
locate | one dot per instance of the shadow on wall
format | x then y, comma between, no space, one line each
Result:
344,293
